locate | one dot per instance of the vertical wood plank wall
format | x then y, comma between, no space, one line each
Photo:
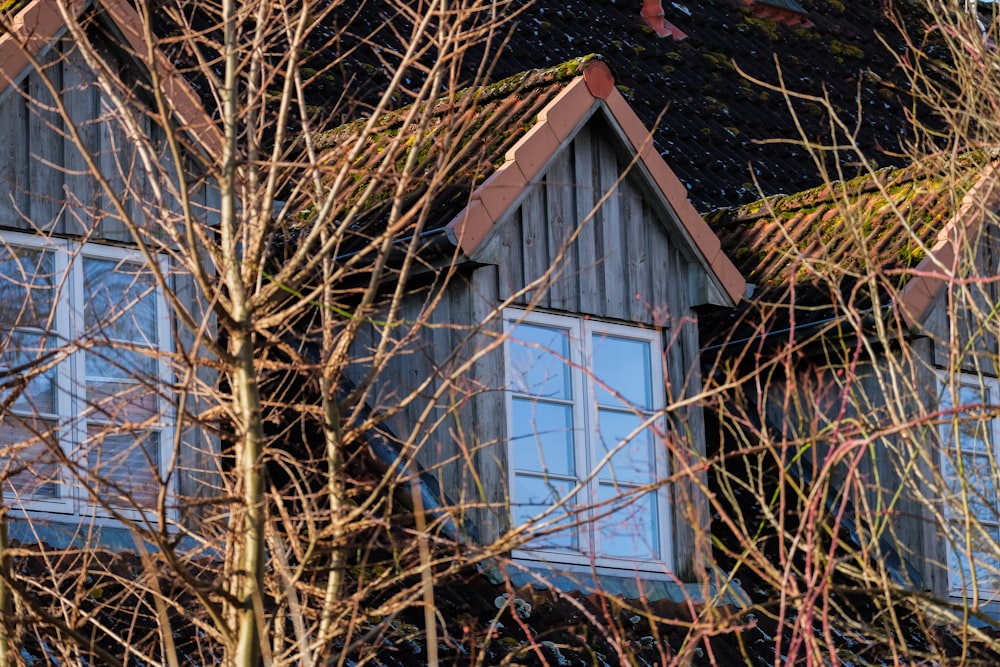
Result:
45,184
961,337
563,250
895,481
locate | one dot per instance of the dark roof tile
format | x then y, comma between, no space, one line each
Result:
714,126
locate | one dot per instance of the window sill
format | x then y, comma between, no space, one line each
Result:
651,583
76,532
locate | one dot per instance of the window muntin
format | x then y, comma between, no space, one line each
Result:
583,400
93,324
970,471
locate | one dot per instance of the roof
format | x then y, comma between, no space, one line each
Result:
38,23
714,127
900,224
506,134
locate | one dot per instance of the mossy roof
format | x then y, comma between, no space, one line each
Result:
883,222
466,139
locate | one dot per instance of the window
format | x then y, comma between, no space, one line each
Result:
584,403
82,328
970,472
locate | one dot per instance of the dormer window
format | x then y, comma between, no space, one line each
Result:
584,403
971,434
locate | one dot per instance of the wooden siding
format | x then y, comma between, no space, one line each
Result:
974,300
869,436
582,240
607,257
46,184
432,338
614,257
885,410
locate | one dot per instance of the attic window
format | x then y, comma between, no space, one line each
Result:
652,14
787,12
583,406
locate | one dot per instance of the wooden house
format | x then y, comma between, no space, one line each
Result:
87,335
574,264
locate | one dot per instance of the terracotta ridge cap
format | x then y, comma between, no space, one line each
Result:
702,238
184,102
919,292
492,198
653,15
39,23
33,27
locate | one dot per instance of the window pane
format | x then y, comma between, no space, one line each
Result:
27,286
542,437
123,467
631,530
119,301
973,425
532,497
969,441
119,306
120,402
23,349
538,360
622,365
985,565
28,468
111,360
634,461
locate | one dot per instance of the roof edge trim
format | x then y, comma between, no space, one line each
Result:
556,123
930,275
185,103
33,28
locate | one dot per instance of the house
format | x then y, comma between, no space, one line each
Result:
560,228
873,310
89,338
558,368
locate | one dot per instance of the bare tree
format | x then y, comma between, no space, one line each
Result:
211,322
857,471
182,304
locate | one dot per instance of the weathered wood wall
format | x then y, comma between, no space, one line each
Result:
886,425
46,184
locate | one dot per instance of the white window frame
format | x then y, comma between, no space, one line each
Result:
587,447
74,499
946,380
